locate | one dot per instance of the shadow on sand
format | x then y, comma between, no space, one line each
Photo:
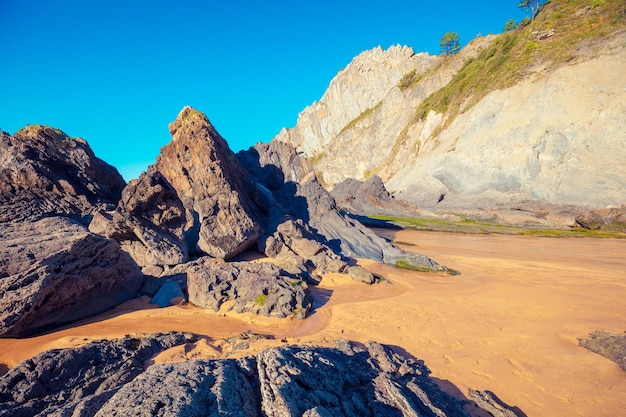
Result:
471,407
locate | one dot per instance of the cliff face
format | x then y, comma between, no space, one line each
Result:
358,87
550,130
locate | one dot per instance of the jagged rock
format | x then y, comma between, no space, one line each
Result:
113,378
488,402
43,172
78,381
261,288
54,271
360,86
613,219
194,200
610,345
302,197
325,381
197,388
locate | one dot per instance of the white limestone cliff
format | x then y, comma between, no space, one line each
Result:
556,136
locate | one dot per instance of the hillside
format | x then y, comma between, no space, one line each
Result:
535,114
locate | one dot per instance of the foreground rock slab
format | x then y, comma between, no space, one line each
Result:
115,378
53,271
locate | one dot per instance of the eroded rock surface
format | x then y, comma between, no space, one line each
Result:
79,381
54,271
44,172
114,378
259,287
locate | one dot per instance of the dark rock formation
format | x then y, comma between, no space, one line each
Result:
363,197
43,172
197,388
113,378
261,288
289,189
194,200
54,271
611,346
610,219
79,381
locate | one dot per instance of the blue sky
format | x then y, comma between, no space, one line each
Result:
117,72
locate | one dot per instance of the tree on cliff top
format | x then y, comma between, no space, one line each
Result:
531,5
449,43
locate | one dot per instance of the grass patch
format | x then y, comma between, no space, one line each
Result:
409,80
316,159
610,345
360,117
483,227
402,263
260,300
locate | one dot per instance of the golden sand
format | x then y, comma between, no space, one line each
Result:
509,324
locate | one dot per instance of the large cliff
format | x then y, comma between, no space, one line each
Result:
537,113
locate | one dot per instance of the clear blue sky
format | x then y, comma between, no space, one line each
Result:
117,72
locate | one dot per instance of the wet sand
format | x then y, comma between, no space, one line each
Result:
509,324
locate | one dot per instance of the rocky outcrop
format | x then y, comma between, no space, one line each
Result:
257,287
79,381
114,378
194,200
44,172
360,86
611,219
370,197
53,271
296,194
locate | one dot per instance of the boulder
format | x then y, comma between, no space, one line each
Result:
259,287
361,274
113,378
44,172
150,221
53,271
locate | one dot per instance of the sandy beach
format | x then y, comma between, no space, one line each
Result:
509,324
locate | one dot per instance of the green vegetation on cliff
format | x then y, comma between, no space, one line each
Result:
550,40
